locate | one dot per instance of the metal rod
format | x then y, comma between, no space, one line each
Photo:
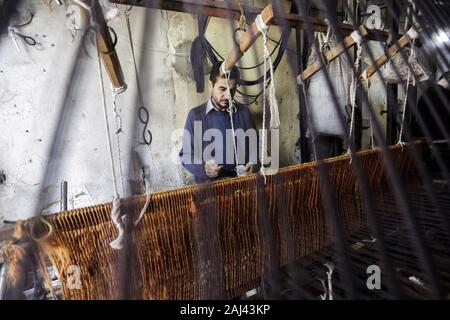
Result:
63,201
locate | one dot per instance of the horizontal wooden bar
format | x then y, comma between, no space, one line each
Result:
383,59
231,11
330,56
248,39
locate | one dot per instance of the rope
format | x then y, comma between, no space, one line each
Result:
262,27
231,110
46,223
242,19
325,41
405,100
330,267
412,34
141,215
141,102
274,113
108,138
327,37
263,138
118,127
115,212
127,18
118,222
273,104
365,82
358,39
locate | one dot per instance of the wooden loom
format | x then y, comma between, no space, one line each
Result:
330,55
215,240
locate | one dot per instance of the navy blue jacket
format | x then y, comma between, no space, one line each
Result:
199,147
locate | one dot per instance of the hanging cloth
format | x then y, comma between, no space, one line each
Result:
199,48
324,115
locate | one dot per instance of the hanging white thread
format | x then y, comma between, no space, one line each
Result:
118,127
330,267
231,109
366,85
328,35
325,290
263,28
115,212
118,222
412,34
263,138
108,138
273,104
274,113
405,100
144,209
260,24
141,101
357,38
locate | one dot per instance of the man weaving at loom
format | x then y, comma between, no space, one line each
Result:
230,153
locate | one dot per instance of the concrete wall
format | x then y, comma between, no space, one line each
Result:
51,115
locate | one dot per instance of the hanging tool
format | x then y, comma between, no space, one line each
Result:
14,35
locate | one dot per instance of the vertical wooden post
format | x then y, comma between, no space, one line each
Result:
301,38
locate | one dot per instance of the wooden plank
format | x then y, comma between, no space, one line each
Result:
233,12
391,52
108,53
248,39
330,56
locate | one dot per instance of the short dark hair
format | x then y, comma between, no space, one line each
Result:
215,73
446,76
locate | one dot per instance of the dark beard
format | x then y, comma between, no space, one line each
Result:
219,107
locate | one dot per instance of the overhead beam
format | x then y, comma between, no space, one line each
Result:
390,53
330,55
248,39
231,11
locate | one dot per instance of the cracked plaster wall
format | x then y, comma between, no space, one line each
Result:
51,113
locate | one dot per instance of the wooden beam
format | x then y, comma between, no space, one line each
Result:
247,39
391,52
330,56
108,53
231,11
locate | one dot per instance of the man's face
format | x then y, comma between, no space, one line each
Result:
220,94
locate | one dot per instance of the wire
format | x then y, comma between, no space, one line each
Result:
245,68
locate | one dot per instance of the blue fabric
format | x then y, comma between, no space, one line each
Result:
214,120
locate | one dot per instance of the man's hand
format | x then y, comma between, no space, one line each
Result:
212,169
250,168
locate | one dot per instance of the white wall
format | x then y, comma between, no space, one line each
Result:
52,123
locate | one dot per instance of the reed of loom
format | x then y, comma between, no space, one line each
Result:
216,240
